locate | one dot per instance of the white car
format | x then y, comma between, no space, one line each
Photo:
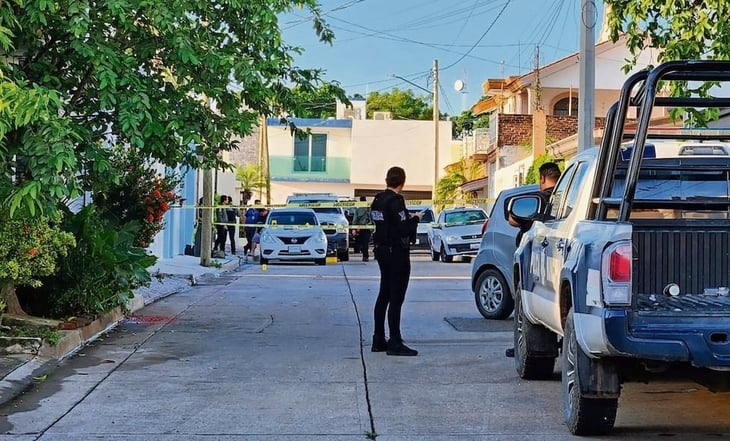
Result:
293,234
457,232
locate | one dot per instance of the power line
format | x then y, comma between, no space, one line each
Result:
489,28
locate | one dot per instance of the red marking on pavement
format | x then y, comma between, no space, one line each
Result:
149,319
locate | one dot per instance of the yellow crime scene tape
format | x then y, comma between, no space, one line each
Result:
342,204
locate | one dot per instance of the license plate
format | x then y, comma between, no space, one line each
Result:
418,242
295,249
474,246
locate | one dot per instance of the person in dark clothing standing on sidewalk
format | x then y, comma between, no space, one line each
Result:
221,218
393,229
362,240
232,214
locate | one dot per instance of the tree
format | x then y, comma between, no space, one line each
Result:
152,75
251,178
449,187
466,122
681,29
404,104
317,103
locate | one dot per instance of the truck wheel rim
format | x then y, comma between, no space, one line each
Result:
570,371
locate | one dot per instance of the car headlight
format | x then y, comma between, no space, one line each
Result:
319,237
452,238
267,237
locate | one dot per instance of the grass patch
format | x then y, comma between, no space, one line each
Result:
50,336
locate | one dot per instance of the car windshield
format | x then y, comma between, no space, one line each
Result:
292,219
465,217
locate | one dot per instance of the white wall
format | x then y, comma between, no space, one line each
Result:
379,145
503,178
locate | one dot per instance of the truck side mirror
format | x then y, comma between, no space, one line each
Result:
525,208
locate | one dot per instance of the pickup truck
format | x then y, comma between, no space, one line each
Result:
625,272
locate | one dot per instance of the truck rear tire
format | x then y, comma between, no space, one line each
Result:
535,346
584,415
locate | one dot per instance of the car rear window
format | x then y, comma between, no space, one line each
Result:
292,219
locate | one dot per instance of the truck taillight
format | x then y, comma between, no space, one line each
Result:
620,264
616,274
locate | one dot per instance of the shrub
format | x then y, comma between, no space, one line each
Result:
101,272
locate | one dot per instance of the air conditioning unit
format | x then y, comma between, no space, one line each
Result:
355,113
383,115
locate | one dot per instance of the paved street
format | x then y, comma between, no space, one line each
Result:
283,354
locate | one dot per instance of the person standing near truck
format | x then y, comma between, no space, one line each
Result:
393,228
549,175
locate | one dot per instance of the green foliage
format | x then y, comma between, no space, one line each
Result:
30,247
49,335
317,102
404,104
103,269
533,173
683,30
136,194
466,122
154,75
251,177
449,187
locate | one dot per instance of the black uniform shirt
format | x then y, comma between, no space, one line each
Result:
393,224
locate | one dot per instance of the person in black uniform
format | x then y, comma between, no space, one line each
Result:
394,227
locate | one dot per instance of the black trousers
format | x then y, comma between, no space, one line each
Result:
362,240
220,238
395,270
250,231
232,237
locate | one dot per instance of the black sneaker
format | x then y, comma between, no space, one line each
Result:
401,350
379,344
509,352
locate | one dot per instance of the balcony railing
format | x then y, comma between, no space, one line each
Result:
481,141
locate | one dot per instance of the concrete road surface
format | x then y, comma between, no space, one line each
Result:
284,354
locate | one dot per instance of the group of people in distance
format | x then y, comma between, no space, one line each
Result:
226,219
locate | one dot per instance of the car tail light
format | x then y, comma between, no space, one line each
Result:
484,226
616,274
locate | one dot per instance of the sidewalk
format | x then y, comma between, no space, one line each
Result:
32,360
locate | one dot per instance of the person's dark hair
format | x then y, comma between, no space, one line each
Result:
363,199
550,170
395,177
222,199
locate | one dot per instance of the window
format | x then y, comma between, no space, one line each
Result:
571,198
557,197
310,153
566,107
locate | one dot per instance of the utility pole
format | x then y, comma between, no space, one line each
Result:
206,237
587,80
435,126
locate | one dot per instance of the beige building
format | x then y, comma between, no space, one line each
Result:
538,112
349,155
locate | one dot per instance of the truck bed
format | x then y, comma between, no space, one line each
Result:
694,254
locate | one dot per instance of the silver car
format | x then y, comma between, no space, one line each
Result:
457,232
491,271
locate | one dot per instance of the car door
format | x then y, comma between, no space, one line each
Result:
551,245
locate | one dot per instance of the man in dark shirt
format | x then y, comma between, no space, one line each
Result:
549,175
393,228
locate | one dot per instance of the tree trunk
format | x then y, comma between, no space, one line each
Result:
7,293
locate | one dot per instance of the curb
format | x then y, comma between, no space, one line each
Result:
48,357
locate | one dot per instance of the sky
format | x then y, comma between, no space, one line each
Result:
472,40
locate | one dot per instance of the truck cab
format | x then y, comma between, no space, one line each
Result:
624,273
